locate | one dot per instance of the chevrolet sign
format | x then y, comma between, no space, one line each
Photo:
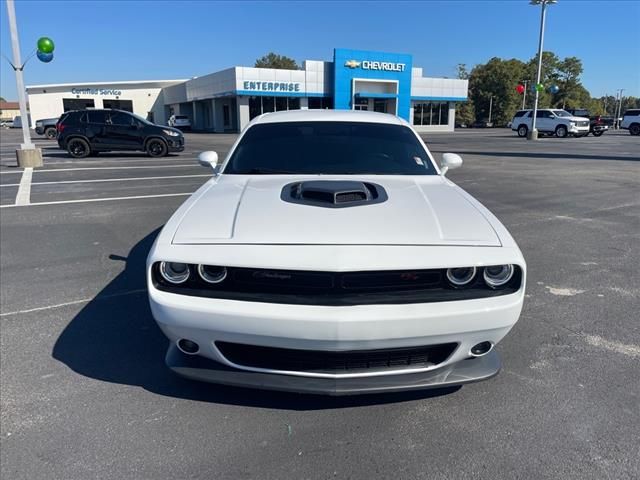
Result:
374,65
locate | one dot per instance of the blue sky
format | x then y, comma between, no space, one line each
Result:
137,40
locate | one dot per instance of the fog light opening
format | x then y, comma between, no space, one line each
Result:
481,349
188,346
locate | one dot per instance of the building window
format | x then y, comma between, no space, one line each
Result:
360,103
255,107
317,103
77,104
431,113
260,105
126,105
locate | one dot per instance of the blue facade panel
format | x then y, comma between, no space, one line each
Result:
364,64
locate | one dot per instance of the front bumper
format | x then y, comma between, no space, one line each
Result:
175,144
464,371
575,129
39,129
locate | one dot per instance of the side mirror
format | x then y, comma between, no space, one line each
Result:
450,161
209,159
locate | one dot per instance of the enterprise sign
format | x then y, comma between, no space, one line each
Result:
373,65
272,86
95,91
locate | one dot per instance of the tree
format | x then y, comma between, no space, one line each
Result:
272,60
465,112
2,99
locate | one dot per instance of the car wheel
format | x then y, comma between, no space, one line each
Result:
50,133
561,131
598,133
634,129
156,148
522,130
78,148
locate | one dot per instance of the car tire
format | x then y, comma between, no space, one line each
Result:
561,131
634,129
78,147
156,148
598,133
522,131
50,133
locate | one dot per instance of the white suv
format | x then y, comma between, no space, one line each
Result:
550,122
179,121
631,121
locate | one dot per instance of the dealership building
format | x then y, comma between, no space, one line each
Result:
227,100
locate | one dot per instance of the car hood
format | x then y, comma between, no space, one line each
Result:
238,209
578,119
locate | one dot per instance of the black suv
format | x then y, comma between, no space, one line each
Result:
86,132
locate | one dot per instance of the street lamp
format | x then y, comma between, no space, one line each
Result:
533,134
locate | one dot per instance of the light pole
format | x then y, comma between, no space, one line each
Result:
524,94
618,109
533,134
28,155
490,107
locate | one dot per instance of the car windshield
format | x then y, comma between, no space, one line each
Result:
561,113
340,148
143,120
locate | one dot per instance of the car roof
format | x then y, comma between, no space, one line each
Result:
329,116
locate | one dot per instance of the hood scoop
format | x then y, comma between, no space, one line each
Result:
333,193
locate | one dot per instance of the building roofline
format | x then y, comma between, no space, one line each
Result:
128,82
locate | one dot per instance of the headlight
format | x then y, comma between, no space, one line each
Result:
572,123
498,275
212,274
171,133
174,272
459,277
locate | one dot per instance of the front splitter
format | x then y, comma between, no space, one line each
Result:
206,370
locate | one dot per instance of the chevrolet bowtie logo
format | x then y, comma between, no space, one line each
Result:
352,63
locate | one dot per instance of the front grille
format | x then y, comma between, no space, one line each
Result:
317,361
583,124
303,287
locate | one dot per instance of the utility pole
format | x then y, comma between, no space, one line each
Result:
28,155
524,94
533,134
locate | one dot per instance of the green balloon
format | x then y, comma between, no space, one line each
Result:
45,45
539,87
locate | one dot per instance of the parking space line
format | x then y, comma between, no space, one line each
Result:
100,180
47,170
94,200
74,302
24,190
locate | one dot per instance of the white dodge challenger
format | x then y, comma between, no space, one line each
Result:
330,254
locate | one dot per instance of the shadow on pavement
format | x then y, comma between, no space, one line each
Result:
115,339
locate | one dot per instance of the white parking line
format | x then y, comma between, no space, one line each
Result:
74,302
94,200
100,180
48,170
24,190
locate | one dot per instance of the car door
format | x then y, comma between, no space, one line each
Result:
124,130
96,128
544,121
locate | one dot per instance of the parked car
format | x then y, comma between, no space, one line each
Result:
631,121
597,125
85,132
340,260
47,127
551,122
180,121
17,121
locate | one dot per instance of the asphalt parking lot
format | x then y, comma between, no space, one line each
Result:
85,393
